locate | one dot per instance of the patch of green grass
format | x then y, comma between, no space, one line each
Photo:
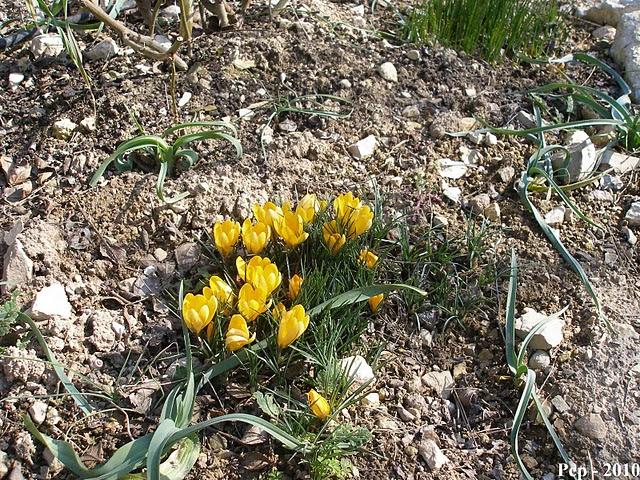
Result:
487,27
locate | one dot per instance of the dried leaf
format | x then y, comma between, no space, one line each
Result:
255,461
187,256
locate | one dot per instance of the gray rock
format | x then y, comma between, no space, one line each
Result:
412,111
629,235
633,215
527,120
475,137
171,12
364,148
626,49
539,360
609,12
103,50
452,193
38,412
546,338
492,212
63,129
4,464
592,426
17,267
47,45
601,196
51,302
451,168
582,158
506,174
620,162
405,415
559,404
606,33
431,454
413,55
371,400
388,71
102,337
479,203
164,41
490,139
440,382
555,216
344,83
16,473
611,182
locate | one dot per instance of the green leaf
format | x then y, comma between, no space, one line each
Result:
510,329
267,404
517,422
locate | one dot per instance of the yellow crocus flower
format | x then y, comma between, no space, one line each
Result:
260,273
198,311
252,302
237,334
255,237
268,213
295,283
278,311
292,324
359,222
355,217
375,301
344,206
219,289
368,258
318,405
307,207
225,236
333,239
290,228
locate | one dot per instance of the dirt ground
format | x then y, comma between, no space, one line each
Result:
113,247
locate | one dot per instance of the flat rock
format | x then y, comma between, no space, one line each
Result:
633,215
506,174
63,129
431,454
611,182
17,267
555,216
592,426
609,12
479,203
582,158
606,33
440,382
51,302
451,168
364,148
46,45
103,50
38,412
388,71
620,162
492,212
548,337
560,404
357,369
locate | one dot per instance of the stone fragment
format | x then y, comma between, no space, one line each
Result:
633,215
17,267
551,335
451,168
555,216
371,400
171,12
38,412
626,49
611,182
506,174
15,79
412,111
620,162
440,382
357,369
479,203
431,454
88,124
103,50
606,33
608,12
47,45
4,464
51,302
490,139
475,137
559,404
413,55
582,158
388,71
364,148
539,360
63,129
601,195
452,193
592,426
629,235
492,212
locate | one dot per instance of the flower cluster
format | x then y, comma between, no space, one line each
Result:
254,286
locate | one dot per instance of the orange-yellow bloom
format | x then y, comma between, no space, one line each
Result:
292,325
252,302
375,301
198,311
318,405
332,237
268,213
278,311
345,205
295,283
355,217
219,289
260,273
225,236
255,237
237,334
368,258
290,228
307,207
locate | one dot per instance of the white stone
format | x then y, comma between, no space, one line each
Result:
358,10
492,212
17,267
431,454
506,174
555,216
412,111
609,12
629,236
15,79
527,120
539,360
479,202
103,50
371,400
475,137
601,195
63,129
118,328
582,158
51,302
345,83
47,45
439,220
452,193
364,148
544,339
88,124
620,162
172,12
606,33
560,404
611,182
440,382
245,114
357,369
633,215
471,92
490,139
164,41
626,49
452,169
388,71
184,99
413,55
38,412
